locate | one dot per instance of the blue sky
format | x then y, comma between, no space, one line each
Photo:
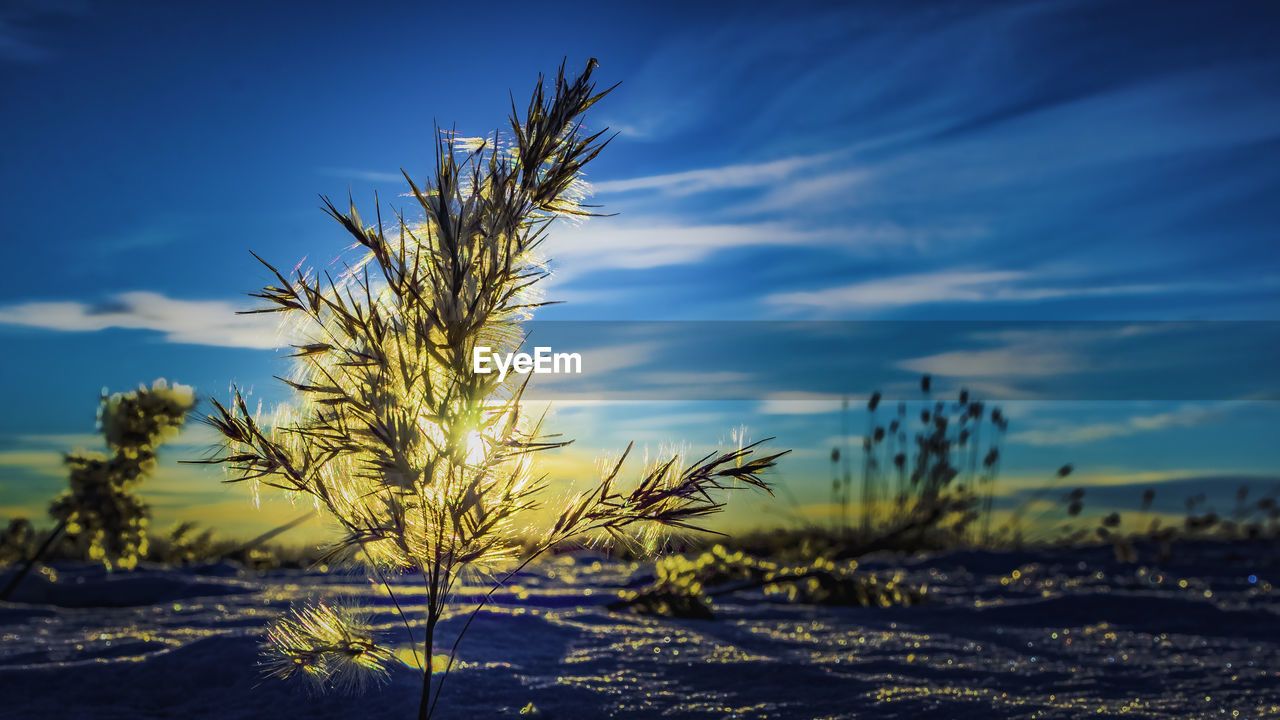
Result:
1030,162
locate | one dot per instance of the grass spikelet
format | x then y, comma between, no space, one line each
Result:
329,646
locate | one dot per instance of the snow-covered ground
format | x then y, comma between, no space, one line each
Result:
1008,634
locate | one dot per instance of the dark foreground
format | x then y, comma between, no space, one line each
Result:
1008,634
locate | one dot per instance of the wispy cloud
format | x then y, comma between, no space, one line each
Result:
194,322
802,403
690,182
366,175
43,463
613,245
996,363
916,289
828,188
1065,434
644,242
951,286
1026,353
822,180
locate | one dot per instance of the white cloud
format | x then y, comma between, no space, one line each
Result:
690,182
789,183
647,243
805,192
610,245
1021,353
366,175
39,462
1073,335
194,322
1014,361
991,286
1024,353
947,286
1187,416
803,403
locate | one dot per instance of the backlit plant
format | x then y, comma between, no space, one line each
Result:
935,479
100,510
425,465
685,585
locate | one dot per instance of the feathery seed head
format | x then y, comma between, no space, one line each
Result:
330,646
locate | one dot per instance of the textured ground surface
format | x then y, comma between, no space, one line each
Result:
1048,635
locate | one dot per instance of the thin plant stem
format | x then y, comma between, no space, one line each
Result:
399,611
427,704
867,479
272,533
39,553
433,615
453,651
